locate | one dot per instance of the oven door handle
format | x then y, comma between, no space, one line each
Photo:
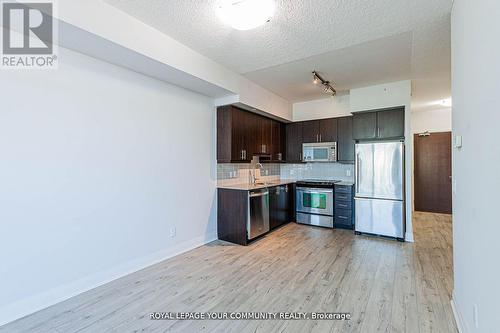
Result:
315,191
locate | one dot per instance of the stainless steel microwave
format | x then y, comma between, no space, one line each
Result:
319,152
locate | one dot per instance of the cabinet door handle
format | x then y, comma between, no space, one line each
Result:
320,138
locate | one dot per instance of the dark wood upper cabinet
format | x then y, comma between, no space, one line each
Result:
345,144
324,130
383,124
252,134
328,131
267,135
310,131
224,135
364,125
278,141
294,142
232,141
242,134
391,123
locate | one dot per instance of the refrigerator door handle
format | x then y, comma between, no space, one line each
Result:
357,172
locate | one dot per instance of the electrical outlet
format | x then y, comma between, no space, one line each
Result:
475,316
348,173
173,232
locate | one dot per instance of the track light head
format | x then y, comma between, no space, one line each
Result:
327,87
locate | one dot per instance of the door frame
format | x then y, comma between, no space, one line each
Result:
414,160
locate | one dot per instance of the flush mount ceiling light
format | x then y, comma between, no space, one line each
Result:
245,14
327,87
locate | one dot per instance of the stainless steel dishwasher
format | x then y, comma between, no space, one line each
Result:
258,213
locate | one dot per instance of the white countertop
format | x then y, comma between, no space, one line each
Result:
250,187
345,183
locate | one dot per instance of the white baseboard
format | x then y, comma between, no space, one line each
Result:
43,300
458,317
409,237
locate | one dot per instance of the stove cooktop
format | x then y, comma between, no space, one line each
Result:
320,182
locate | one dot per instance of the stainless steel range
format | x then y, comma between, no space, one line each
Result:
315,202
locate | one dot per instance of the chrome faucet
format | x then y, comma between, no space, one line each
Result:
255,164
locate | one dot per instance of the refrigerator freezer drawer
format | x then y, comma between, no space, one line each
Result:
380,217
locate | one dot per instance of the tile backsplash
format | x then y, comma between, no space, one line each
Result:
333,171
231,170
238,173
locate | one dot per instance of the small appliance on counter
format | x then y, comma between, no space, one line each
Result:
314,204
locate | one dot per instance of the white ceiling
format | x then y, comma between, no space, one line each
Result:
352,42
379,61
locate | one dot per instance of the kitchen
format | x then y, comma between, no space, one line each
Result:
201,163
355,179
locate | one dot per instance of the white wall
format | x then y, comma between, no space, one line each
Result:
97,165
431,121
476,221
385,96
381,96
94,16
330,107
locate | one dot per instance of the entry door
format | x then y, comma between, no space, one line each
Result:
433,172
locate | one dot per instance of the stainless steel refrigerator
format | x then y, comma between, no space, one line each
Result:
379,197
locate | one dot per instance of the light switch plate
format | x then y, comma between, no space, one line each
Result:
458,141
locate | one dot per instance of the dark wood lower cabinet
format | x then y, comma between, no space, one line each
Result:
344,207
232,211
232,214
280,205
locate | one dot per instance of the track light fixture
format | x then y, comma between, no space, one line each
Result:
327,87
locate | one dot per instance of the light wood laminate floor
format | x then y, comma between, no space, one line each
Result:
386,286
